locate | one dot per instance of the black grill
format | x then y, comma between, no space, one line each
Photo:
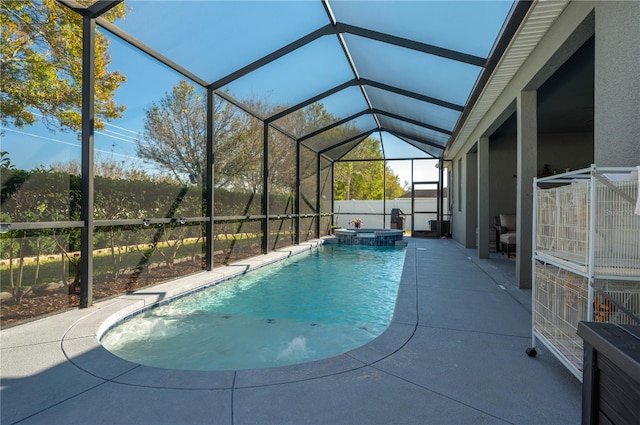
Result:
397,218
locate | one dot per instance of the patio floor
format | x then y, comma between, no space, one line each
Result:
454,354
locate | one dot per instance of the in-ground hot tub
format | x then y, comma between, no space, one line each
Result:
370,237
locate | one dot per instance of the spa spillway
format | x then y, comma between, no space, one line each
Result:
370,237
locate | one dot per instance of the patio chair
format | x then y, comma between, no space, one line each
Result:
506,225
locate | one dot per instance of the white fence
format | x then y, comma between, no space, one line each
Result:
371,212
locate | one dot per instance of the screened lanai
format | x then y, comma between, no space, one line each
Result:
169,137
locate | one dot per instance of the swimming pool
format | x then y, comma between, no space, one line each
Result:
309,307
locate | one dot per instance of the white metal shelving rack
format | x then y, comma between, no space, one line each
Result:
586,256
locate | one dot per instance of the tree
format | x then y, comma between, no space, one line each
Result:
5,161
175,136
239,149
394,188
41,62
175,132
175,139
365,179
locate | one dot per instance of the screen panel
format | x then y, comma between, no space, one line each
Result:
430,75
414,131
396,148
415,109
297,76
151,161
440,23
327,111
238,170
308,181
127,258
38,270
184,31
236,240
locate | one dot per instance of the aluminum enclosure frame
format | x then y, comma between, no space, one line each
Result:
91,19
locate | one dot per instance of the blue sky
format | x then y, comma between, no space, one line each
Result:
229,35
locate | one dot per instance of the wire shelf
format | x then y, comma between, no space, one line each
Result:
563,221
562,301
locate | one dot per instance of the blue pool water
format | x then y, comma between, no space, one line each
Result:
313,306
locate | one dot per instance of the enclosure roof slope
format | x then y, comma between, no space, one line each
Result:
404,71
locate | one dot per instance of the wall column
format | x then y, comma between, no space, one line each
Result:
470,201
483,198
527,165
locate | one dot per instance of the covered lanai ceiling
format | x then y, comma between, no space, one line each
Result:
404,73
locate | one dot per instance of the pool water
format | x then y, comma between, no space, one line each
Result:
312,306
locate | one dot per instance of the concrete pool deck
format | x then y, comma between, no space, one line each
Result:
454,354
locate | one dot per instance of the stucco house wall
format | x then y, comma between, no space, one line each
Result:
615,140
617,86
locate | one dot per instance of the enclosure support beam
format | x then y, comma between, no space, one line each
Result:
407,138
87,188
333,195
384,195
333,125
297,205
413,203
360,136
411,121
411,44
127,38
265,189
318,196
209,194
413,95
440,198
320,32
